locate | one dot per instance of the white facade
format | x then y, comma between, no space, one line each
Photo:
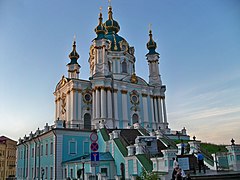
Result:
114,94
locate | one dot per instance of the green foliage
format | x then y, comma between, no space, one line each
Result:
213,148
145,175
179,141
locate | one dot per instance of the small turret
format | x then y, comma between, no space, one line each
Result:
111,25
73,66
151,44
100,29
153,61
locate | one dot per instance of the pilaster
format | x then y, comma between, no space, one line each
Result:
103,103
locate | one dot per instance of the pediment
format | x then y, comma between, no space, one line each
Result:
61,83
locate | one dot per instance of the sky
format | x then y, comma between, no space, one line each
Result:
198,42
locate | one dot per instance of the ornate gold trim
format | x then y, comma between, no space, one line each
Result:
124,91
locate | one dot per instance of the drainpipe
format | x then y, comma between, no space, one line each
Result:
55,154
35,159
24,161
39,150
113,110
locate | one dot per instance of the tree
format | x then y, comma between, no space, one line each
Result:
145,175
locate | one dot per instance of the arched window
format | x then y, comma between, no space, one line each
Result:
135,118
87,121
124,67
109,66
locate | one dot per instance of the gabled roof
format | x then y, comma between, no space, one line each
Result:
3,139
129,135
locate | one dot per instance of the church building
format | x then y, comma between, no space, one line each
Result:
127,113
114,93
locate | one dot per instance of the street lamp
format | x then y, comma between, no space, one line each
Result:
83,162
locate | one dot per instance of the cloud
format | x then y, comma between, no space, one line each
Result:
210,110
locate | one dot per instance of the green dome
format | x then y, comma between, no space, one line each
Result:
100,29
151,44
111,25
74,55
115,41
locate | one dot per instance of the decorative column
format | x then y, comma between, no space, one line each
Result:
74,103
103,103
152,108
115,107
160,110
97,103
109,103
156,109
56,108
145,108
94,103
79,110
124,107
164,110
68,112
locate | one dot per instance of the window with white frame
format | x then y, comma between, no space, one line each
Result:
46,149
72,147
51,148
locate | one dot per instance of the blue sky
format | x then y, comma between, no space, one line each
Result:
199,43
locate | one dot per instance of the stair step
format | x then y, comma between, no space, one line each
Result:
220,176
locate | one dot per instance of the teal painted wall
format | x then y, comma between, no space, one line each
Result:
130,167
67,153
118,159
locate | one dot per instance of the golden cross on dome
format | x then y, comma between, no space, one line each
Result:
74,37
150,27
109,2
100,9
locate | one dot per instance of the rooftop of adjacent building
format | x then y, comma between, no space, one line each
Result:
4,139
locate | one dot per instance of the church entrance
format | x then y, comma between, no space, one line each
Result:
87,121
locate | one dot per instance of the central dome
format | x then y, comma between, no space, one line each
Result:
111,25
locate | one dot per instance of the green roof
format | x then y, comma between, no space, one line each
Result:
104,133
147,163
121,147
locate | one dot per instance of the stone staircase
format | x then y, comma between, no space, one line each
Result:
217,175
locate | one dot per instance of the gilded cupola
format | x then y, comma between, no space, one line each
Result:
111,25
74,55
151,44
100,29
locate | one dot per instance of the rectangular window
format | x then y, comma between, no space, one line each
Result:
71,173
47,149
32,152
72,147
238,157
104,171
86,148
65,172
166,163
46,172
38,150
41,149
32,172
37,171
51,148
51,173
